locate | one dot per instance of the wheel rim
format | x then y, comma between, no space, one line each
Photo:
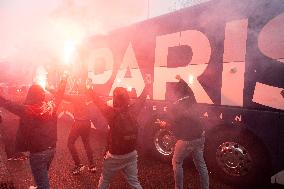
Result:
233,159
164,142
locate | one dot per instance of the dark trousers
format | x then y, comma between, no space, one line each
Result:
40,163
9,146
8,132
80,128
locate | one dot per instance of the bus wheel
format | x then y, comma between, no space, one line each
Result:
164,143
236,156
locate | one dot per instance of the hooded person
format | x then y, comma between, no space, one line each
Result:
80,128
37,131
187,128
121,152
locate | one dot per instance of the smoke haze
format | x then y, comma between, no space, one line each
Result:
34,32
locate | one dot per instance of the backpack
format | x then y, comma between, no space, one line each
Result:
123,134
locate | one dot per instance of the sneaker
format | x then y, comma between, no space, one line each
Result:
32,187
21,158
24,158
92,168
78,169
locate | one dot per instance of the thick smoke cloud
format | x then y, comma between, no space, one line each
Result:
34,32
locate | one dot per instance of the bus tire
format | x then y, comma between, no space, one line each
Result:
236,156
155,139
163,143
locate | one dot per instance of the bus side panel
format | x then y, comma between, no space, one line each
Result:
281,142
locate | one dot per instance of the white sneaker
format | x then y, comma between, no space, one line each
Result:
78,169
92,168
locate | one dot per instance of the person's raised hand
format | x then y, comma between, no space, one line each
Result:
162,124
178,77
65,75
148,79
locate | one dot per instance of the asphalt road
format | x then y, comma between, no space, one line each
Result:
152,173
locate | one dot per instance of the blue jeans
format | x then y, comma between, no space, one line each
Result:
40,163
182,150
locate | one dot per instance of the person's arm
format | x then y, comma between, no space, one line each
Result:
66,97
187,91
162,124
181,81
58,96
140,101
13,107
69,97
168,121
106,110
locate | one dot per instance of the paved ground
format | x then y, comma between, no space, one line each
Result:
152,173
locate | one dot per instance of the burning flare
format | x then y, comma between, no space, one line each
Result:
40,77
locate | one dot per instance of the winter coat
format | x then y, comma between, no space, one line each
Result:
38,120
121,107
184,119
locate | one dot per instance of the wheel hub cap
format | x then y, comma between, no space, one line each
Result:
164,142
234,159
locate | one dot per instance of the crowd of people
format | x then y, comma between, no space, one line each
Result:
37,132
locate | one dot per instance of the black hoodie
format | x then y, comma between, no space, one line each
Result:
121,106
38,121
184,118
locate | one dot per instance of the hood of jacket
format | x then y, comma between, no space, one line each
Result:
121,98
36,105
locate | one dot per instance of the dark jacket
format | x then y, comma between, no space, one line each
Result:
185,122
184,118
80,106
111,112
38,120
